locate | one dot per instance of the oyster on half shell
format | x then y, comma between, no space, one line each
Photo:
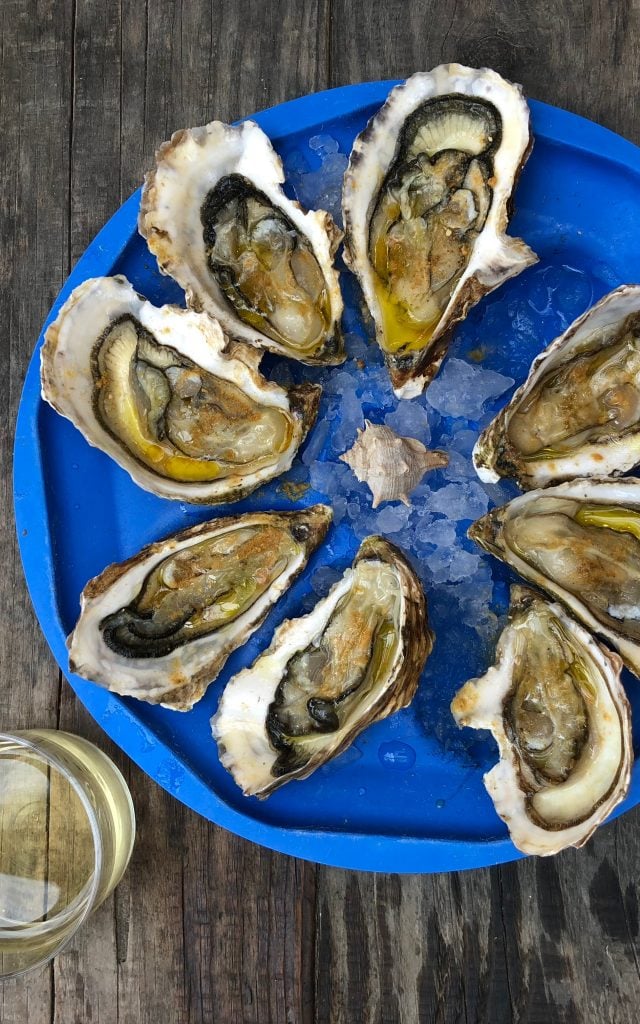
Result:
578,412
559,714
426,202
579,541
353,660
162,392
161,625
214,214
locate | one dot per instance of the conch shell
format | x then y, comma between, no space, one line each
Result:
390,465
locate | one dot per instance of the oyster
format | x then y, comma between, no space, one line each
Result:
351,661
390,465
161,391
161,625
578,412
214,214
426,201
579,541
562,722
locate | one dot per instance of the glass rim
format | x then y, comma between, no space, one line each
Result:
32,744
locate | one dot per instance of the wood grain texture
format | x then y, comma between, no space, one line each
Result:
205,927
541,941
580,54
34,112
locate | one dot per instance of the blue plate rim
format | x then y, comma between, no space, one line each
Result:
344,849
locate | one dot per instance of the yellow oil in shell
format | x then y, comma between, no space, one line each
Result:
400,331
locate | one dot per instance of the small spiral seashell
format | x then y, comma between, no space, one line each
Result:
390,465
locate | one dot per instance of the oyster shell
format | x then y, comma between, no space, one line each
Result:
426,201
578,412
390,465
163,393
579,541
351,661
559,714
214,214
161,625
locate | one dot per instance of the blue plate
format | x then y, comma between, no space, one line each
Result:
408,796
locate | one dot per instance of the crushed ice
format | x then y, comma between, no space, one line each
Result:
322,188
467,591
461,389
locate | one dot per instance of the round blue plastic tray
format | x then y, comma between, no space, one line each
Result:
405,799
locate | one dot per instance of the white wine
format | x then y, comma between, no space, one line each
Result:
108,794
67,828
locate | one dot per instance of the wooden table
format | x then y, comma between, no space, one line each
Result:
206,927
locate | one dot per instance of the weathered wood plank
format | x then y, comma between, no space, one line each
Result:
248,925
94,175
34,103
212,60
580,54
541,941
34,106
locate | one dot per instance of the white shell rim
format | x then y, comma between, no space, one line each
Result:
187,167
496,256
603,490
67,379
485,697
597,458
152,678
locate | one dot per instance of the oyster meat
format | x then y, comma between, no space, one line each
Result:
214,214
353,660
559,714
579,541
161,625
578,412
426,202
163,393
390,465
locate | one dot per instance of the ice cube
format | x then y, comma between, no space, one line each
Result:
463,390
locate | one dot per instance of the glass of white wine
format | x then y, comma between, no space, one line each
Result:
67,828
